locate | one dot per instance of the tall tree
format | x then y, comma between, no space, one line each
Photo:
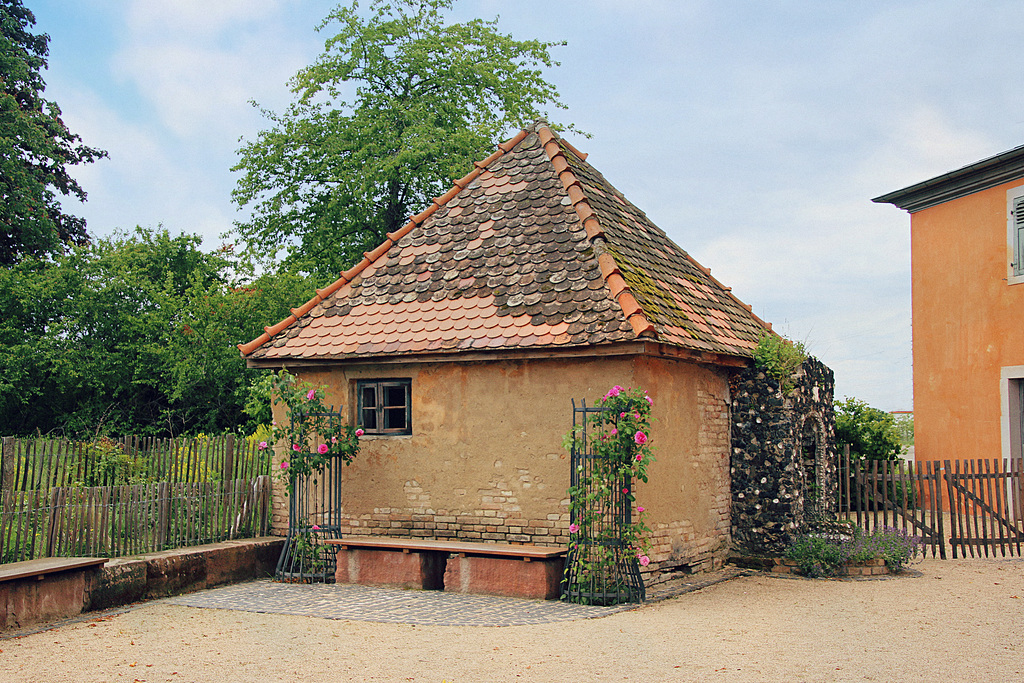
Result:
35,147
399,104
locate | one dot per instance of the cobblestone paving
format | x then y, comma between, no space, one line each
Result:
437,608
391,605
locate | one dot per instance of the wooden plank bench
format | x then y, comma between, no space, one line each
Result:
525,571
49,588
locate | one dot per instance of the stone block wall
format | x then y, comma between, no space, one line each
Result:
784,460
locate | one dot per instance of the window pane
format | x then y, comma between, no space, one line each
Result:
394,395
394,418
368,407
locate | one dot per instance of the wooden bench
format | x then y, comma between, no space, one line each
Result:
525,571
49,588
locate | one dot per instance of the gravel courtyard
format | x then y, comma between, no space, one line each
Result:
956,620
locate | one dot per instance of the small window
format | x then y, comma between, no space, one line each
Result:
385,406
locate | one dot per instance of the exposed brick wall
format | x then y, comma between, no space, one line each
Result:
772,487
678,546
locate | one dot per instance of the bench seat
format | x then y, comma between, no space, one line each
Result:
525,571
45,589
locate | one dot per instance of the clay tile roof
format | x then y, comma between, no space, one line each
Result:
533,248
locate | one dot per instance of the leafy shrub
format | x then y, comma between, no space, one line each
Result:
779,358
816,556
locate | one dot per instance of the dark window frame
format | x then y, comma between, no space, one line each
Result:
377,407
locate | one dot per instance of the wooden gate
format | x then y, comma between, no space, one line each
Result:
900,495
986,506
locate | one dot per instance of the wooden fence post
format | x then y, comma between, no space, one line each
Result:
229,458
8,461
163,499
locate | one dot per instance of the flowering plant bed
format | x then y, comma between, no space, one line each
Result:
850,552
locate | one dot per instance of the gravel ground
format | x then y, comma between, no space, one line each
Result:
954,620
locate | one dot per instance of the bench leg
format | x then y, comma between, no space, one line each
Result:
510,577
383,567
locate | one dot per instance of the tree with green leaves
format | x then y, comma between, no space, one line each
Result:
36,148
871,433
133,334
399,105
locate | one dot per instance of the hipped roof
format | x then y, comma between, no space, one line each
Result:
532,249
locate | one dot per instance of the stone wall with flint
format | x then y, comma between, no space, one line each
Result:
784,460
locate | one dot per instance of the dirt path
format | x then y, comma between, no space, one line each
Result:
959,620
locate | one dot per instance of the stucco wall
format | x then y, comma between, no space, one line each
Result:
485,460
967,325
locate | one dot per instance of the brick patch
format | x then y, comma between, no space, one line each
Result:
874,567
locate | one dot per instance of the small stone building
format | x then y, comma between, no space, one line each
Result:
459,344
784,461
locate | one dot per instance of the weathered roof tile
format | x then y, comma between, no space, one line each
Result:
532,248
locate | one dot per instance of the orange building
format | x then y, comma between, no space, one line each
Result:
967,246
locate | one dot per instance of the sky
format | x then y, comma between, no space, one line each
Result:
755,133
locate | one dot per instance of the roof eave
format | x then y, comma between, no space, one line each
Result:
975,177
643,347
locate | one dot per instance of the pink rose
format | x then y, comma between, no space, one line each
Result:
334,439
284,465
626,491
573,528
613,392
311,395
621,415
359,432
639,457
644,560
640,508
640,438
315,528
322,448
614,431
296,447
650,401
263,445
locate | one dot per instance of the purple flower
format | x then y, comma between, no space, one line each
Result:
640,438
322,448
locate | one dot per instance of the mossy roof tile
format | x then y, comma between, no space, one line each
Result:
533,248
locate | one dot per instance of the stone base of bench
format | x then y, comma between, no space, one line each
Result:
46,589
456,568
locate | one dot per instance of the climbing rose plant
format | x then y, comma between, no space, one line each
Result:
313,436
618,439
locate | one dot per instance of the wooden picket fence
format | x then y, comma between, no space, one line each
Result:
976,507
192,492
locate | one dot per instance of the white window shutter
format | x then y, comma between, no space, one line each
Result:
1018,241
